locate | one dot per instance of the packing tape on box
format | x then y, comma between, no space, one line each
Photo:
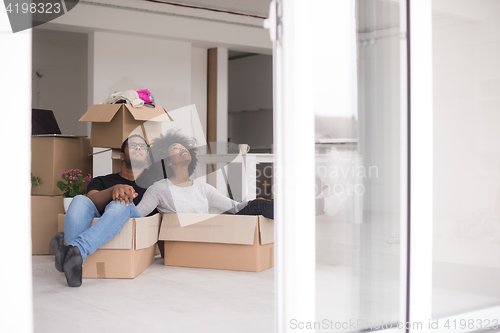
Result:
101,270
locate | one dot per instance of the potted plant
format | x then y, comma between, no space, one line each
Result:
72,185
35,181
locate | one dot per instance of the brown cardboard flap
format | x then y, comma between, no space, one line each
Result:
157,113
146,231
209,228
101,113
266,227
122,241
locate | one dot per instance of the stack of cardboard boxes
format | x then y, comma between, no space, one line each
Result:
243,243
51,156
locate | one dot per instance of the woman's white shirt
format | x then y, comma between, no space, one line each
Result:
197,198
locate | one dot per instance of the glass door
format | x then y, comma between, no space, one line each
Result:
388,206
341,165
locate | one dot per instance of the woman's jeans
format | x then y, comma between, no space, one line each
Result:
81,213
259,207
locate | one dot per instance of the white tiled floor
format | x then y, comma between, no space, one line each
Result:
160,299
357,277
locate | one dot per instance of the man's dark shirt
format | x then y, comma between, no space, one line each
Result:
104,182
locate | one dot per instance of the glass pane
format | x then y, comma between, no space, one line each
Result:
357,110
466,87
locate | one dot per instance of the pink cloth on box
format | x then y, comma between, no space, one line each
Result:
144,95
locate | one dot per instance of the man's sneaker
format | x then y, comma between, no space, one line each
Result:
57,244
73,266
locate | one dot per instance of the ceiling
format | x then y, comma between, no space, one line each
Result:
249,7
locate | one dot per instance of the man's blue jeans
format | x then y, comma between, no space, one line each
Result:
81,213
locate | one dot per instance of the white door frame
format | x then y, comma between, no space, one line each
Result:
420,165
295,260
16,287
294,159
421,186
295,229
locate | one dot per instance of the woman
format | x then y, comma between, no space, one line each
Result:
180,194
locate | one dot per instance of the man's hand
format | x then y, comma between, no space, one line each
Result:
123,193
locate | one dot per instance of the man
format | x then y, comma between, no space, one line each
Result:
111,198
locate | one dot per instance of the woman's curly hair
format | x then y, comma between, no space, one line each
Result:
159,149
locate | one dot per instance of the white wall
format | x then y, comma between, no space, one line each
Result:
466,136
149,23
124,62
61,57
68,63
119,62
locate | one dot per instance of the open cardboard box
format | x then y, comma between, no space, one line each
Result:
127,254
233,242
113,123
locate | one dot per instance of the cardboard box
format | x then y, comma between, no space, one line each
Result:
60,227
51,156
113,123
127,254
233,242
44,221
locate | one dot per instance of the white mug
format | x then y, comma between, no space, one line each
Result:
244,149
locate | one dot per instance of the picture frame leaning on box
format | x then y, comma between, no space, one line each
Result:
112,199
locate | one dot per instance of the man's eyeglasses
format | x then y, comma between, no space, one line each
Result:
141,146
